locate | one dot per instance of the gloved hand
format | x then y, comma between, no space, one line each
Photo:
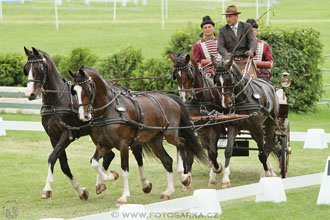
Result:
249,53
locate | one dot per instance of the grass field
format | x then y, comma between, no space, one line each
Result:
23,155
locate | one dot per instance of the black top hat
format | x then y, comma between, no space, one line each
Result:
252,22
207,20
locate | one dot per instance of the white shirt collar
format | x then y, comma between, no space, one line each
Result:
236,25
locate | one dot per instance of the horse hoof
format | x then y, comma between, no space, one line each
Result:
225,185
187,181
186,188
84,196
219,170
147,189
119,203
115,174
46,194
164,196
100,188
212,183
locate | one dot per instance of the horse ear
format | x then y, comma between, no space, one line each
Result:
72,74
171,56
187,59
27,52
36,52
82,72
214,61
193,61
230,62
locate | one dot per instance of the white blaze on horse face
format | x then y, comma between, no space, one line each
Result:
30,84
223,91
179,73
182,95
81,111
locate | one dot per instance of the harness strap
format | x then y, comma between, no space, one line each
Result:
161,109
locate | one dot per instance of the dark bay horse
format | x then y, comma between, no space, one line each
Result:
245,95
123,121
188,76
59,116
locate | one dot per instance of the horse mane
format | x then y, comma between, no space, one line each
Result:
180,57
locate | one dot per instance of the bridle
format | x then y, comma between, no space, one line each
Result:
190,70
90,93
42,68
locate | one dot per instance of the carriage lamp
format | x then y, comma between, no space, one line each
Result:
285,80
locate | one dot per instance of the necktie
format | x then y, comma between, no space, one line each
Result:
235,30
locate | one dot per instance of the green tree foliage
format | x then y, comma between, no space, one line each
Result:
298,52
78,57
153,67
120,64
11,70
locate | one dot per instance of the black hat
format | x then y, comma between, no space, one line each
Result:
207,20
252,22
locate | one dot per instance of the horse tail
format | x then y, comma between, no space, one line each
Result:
191,144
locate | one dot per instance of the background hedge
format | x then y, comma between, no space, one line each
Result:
296,51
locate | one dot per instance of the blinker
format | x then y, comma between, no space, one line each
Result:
256,96
120,108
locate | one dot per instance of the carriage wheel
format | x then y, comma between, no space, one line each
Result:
285,149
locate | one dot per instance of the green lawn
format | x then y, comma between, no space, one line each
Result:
23,155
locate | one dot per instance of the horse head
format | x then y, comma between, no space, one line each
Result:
227,74
84,88
36,68
184,73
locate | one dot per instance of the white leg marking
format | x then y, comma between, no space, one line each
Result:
126,193
170,184
76,186
270,169
102,172
213,176
30,85
143,177
49,180
225,178
180,169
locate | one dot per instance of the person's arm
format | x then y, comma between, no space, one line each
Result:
221,44
267,54
197,54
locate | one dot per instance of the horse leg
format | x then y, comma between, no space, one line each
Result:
82,192
124,145
258,135
185,159
184,164
270,136
101,171
146,185
156,145
59,145
100,185
232,132
213,155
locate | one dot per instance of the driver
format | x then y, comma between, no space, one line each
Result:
231,33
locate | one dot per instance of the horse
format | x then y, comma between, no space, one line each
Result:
188,76
123,121
244,95
59,119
